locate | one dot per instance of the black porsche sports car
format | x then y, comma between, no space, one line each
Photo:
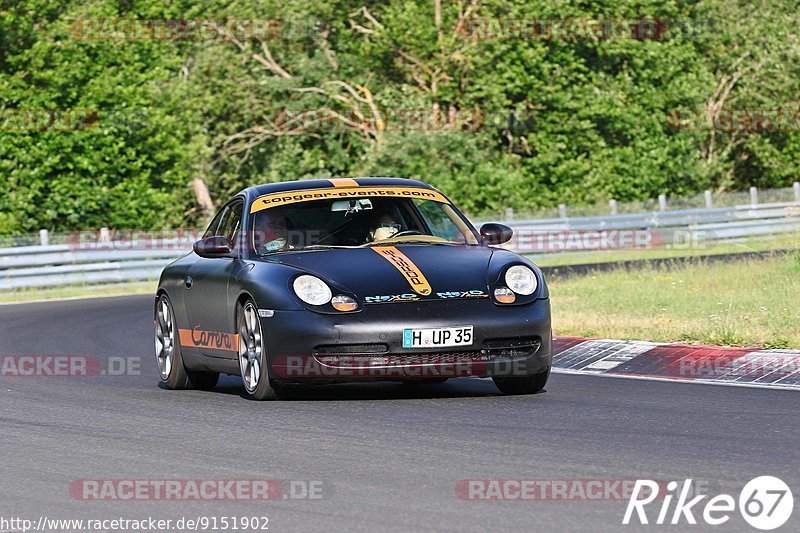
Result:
323,281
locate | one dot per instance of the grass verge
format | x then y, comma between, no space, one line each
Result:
78,291
742,303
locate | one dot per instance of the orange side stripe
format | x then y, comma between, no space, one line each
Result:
406,267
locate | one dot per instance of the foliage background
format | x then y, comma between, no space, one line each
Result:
574,120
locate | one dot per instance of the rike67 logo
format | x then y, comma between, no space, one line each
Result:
765,503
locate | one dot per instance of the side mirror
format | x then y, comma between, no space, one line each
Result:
211,247
496,233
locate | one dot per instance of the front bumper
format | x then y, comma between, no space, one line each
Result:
303,346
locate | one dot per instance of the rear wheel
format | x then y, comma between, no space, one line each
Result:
522,385
168,353
252,356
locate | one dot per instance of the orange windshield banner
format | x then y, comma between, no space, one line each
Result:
344,191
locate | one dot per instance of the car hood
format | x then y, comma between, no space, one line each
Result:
421,270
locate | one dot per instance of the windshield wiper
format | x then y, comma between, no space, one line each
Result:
304,248
317,247
409,241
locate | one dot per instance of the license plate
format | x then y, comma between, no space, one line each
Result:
438,337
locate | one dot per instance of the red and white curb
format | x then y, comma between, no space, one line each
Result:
778,369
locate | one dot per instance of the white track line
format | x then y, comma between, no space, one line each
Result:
750,385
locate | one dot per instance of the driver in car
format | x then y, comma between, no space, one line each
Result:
273,232
385,228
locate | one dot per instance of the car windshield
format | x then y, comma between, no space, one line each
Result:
357,222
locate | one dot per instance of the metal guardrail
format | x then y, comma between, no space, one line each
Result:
60,265
660,219
106,262
659,228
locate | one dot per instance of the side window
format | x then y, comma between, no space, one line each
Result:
440,224
231,224
212,228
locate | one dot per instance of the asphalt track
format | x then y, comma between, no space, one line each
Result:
389,456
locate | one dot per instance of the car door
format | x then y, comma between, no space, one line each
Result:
206,290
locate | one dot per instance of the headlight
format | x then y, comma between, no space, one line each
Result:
521,280
312,290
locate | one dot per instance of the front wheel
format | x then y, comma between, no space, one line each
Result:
252,357
522,385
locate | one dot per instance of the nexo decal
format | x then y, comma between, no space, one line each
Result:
462,294
386,298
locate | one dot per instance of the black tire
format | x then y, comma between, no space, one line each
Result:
522,385
255,371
